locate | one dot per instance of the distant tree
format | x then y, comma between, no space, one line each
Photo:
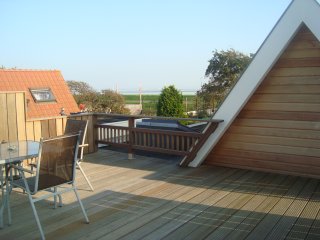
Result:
94,101
112,100
224,69
80,88
3,67
170,103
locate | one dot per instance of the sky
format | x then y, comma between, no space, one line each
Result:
131,44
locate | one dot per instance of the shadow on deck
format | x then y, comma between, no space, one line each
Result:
151,197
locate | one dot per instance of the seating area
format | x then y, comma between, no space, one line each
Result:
150,197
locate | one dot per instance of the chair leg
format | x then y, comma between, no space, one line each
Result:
2,206
36,216
8,192
32,205
55,198
85,176
80,203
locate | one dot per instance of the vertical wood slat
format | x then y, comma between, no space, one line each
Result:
37,130
52,127
12,117
4,134
45,128
30,130
59,126
21,116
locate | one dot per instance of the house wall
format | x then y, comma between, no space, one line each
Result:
278,130
15,127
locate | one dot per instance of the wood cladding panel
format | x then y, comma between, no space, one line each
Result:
12,117
293,80
271,140
286,98
277,115
291,89
14,125
273,148
278,130
30,131
301,53
290,107
271,123
4,134
21,116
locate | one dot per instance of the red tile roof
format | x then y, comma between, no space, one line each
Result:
23,80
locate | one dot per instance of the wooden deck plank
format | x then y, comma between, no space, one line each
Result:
272,218
256,215
202,224
259,196
124,226
303,224
152,198
182,212
288,219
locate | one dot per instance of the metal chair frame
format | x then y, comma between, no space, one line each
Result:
31,184
76,126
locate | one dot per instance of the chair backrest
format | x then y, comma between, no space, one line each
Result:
75,126
57,161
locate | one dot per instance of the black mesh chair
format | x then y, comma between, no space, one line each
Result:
74,126
56,165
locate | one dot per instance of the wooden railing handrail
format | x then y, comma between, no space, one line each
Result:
126,117
148,130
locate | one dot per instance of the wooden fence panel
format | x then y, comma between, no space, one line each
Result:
21,116
14,125
4,134
12,117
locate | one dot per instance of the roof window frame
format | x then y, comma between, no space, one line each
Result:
51,98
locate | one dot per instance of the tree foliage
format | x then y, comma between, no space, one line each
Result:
109,99
170,103
106,101
224,69
80,88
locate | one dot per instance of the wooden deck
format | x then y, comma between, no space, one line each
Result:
153,198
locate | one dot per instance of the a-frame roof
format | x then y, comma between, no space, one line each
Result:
299,12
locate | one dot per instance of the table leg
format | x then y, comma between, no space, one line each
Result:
5,188
3,196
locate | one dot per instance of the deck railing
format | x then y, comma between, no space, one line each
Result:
173,142
185,144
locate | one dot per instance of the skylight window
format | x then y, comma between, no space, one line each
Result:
42,95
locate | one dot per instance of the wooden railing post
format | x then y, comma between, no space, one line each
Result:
93,121
131,137
198,144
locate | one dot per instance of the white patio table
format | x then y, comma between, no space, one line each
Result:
13,153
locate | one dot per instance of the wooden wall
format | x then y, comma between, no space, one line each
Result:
279,128
14,126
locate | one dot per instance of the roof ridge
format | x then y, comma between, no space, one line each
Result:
29,70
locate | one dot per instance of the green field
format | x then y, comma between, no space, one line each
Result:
149,102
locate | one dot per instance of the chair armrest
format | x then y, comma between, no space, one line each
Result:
84,145
21,169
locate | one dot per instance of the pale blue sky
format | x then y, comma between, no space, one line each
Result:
133,43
